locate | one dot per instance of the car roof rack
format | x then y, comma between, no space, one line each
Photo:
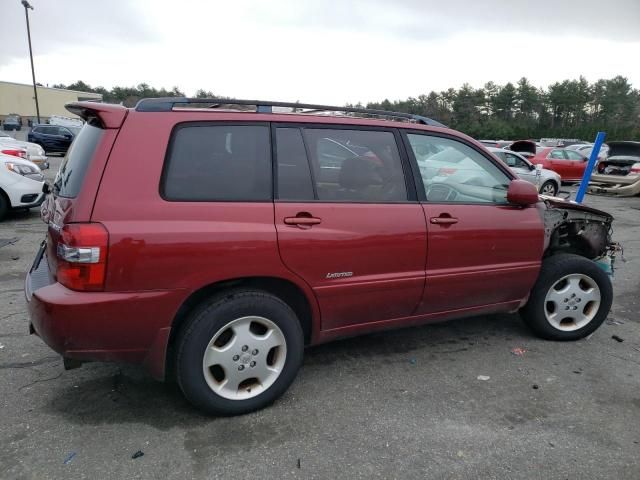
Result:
167,104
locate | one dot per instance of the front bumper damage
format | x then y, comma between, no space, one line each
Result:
571,227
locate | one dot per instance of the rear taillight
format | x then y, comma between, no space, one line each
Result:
82,256
635,168
15,152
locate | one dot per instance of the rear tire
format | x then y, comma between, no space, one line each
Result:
570,299
239,352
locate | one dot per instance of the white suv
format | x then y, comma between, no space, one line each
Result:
21,184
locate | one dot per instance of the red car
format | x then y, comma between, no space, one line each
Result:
569,164
213,244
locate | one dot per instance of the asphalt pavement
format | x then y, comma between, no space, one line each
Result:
401,404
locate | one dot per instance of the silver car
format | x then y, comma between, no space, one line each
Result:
547,181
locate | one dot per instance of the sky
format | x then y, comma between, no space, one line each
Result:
320,51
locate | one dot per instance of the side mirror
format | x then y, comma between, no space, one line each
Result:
522,193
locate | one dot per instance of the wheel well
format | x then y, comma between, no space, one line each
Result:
6,197
285,290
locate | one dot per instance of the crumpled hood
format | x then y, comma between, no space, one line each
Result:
571,205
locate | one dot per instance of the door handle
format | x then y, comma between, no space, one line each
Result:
302,221
442,220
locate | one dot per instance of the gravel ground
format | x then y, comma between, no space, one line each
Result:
402,404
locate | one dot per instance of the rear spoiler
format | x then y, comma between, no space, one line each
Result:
103,115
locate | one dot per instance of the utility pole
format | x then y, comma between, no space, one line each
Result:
27,6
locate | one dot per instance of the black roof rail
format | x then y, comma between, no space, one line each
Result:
166,104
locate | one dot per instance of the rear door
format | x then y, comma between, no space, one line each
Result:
348,222
482,251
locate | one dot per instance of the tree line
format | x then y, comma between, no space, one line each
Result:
567,109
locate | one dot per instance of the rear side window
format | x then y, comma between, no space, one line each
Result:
74,167
294,177
356,166
218,163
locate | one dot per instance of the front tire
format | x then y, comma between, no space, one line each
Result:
239,352
570,299
549,188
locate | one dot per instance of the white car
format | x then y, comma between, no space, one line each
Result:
35,153
21,183
547,181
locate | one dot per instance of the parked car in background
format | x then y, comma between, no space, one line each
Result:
12,122
496,143
21,184
34,153
586,149
546,181
569,164
226,248
63,121
619,174
53,138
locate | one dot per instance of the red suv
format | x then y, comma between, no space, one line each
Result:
212,240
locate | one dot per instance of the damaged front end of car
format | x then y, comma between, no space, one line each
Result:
571,227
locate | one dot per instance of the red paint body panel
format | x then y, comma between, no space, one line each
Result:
404,270
101,325
491,255
381,247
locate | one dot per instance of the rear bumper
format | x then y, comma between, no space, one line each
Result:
131,327
610,188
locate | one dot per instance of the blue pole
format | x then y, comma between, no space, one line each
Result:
590,164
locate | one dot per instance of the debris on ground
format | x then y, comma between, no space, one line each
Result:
412,361
1,346
617,338
535,386
518,351
483,377
8,241
298,463
15,257
69,458
138,454
612,321
577,372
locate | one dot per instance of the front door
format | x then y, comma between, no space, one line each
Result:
348,222
482,251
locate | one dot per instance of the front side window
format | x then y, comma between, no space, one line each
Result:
355,165
456,172
557,155
218,163
516,162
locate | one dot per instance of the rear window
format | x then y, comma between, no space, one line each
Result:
69,179
218,163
